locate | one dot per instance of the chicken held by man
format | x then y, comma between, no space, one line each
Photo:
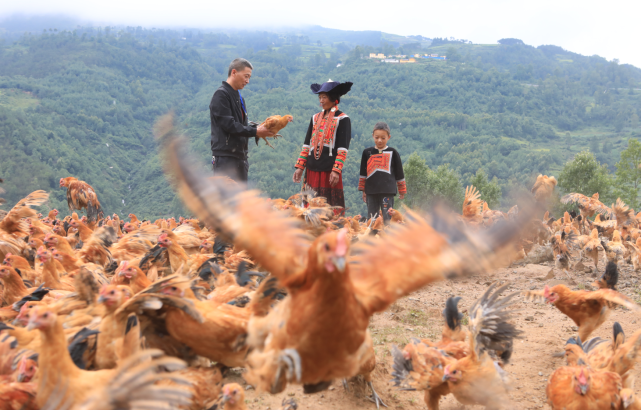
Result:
274,124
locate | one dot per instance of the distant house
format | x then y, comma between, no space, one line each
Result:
338,65
435,57
408,60
390,60
374,55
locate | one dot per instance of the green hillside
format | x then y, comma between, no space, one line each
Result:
82,103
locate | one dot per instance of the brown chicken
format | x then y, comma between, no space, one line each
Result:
588,206
81,195
592,247
395,216
472,207
582,388
588,310
629,399
561,244
420,365
56,364
213,333
13,223
14,287
114,326
275,123
319,331
543,188
146,380
132,276
479,378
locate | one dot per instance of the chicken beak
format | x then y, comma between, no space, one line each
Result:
102,299
340,263
226,398
20,377
31,325
446,377
583,388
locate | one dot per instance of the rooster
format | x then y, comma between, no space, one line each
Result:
479,377
419,366
319,332
274,124
472,207
81,195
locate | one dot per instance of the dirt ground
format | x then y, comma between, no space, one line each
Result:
419,315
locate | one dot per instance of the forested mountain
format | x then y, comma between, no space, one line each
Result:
83,102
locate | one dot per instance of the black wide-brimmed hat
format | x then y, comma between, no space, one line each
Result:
332,87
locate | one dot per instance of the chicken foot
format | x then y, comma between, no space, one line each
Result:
374,398
275,136
289,365
345,385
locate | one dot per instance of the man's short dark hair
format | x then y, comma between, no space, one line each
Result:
239,64
382,126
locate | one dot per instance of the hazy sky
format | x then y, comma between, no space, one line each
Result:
607,28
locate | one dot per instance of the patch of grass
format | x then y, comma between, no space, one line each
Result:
581,286
17,99
415,318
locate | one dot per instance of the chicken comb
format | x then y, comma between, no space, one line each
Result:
546,291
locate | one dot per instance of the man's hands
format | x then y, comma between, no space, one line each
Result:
333,178
401,196
364,197
298,174
263,132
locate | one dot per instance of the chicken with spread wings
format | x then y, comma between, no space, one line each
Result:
479,377
319,332
588,310
419,366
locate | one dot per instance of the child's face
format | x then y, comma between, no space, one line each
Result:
380,138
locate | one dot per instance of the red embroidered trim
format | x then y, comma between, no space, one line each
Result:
341,156
301,161
323,132
361,183
379,162
402,188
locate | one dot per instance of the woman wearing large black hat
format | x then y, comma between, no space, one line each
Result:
326,144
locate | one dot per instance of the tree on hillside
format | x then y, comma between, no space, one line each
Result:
425,187
585,175
490,190
628,174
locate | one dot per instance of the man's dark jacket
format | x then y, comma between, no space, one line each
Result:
229,129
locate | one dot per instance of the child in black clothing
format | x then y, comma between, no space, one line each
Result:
381,174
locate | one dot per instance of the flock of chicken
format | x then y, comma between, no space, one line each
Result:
99,313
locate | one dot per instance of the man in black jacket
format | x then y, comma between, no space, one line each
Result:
229,125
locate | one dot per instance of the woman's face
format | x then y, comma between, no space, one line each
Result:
325,102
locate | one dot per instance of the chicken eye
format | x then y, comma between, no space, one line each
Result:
45,315
112,292
327,247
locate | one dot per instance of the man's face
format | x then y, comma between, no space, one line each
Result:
241,78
